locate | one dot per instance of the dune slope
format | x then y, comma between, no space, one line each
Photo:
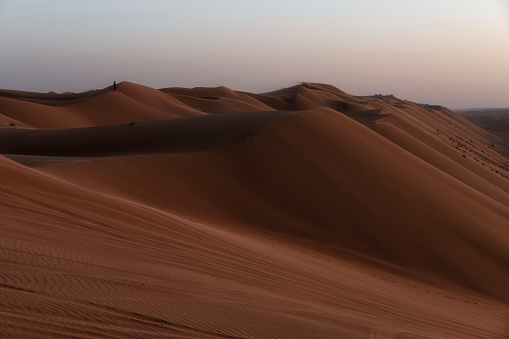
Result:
300,213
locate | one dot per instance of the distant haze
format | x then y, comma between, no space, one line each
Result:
449,52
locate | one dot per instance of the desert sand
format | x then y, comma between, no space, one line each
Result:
495,121
213,213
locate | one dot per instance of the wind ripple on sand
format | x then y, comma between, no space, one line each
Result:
294,225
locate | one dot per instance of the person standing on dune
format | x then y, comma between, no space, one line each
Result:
114,85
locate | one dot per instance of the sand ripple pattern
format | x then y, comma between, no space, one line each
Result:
299,213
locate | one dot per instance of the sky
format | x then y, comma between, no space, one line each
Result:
448,52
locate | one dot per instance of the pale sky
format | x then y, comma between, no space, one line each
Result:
448,52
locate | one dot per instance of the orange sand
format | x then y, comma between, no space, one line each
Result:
212,213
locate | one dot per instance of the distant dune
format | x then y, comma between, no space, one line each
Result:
211,213
494,120
482,111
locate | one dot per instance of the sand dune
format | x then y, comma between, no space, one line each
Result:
300,213
129,103
52,98
494,120
220,98
185,135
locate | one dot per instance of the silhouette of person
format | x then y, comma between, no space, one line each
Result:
115,85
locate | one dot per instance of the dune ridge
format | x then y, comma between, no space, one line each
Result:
211,213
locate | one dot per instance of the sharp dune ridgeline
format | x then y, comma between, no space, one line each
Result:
305,212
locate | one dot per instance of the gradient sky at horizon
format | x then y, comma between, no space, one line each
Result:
449,52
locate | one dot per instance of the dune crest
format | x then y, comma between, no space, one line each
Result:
208,213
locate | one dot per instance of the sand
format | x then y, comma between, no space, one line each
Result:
213,213
495,121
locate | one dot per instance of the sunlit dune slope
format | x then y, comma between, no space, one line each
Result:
219,98
130,102
494,120
79,262
209,213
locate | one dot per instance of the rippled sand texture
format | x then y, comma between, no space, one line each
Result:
211,213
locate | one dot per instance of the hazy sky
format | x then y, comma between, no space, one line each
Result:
449,52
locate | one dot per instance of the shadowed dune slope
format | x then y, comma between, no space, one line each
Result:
191,134
343,194
300,213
